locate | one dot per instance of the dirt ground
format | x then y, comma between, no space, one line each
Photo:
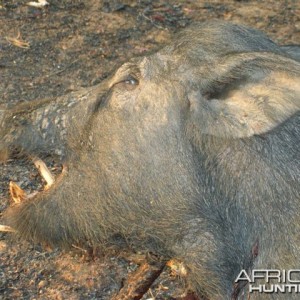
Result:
49,51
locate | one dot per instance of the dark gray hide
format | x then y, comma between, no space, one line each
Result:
191,152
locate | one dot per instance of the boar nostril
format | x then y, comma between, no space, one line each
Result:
101,100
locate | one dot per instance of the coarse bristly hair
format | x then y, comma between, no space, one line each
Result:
191,152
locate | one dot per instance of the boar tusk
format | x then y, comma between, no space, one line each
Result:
4,228
44,171
16,193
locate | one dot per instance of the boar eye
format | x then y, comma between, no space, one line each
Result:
129,82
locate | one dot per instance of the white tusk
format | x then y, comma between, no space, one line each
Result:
44,171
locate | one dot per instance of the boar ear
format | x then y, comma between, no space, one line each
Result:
246,94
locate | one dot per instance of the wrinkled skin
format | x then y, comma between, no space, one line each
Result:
191,152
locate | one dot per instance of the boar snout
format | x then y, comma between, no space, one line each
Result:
293,51
191,152
46,126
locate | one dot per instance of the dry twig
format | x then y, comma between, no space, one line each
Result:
4,228
139,282
17,194
18,42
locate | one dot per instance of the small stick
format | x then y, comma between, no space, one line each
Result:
139,282
18,42
4,228
44,171
79,248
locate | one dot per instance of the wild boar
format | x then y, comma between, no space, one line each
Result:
191,153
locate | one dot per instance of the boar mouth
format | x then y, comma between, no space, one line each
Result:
18,195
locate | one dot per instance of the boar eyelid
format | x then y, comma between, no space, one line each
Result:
130,80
